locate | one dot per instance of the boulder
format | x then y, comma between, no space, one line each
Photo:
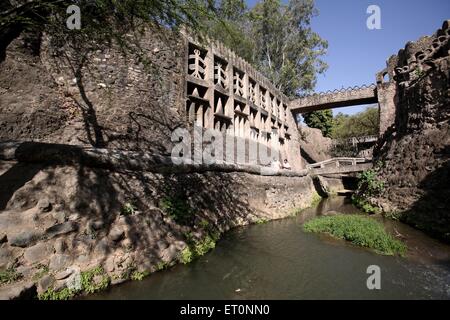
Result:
44,283
116,234
59,261
37,253
59,216
60,246
5,257
44,205
61,228
25,238
64,274
21,290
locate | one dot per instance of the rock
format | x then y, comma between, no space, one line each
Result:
74,217
102,247
37,253
117,281
61,228
24,238
14,291
44,283
63,274
3,238
74,280
59,216
95,225
60,246
25,271
109,264
169,254
82,259
5,257
59,261
116,234
44,205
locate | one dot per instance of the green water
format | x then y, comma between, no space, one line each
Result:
278,260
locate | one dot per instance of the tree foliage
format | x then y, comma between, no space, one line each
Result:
362,124
286,48
101,20
276,38
322,120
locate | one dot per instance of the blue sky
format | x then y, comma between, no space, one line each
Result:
355,53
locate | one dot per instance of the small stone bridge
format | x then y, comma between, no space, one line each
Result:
339,166
358,95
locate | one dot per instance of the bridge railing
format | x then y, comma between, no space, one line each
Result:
355,140
338,162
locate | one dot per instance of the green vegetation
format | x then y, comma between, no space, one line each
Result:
128,209
102,20
198,248
316,198
161,266
362,124
42,272
139,275
261,221
9,275
322,120
368,186
177,208
276,37
89,285
361,231
51,294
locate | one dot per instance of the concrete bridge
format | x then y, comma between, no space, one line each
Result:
339,166
353,96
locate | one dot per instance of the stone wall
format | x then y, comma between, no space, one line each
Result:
98,98
226,94
415,148
73,218
135,99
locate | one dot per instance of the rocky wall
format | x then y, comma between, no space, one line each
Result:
74,218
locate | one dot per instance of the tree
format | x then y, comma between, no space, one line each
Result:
231,27
362,124
276,38
322,120
287,51
102,20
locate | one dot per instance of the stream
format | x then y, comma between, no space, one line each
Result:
278,260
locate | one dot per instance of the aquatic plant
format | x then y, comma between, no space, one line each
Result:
361,231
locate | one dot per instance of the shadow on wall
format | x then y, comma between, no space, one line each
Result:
14,179
431,213
167,208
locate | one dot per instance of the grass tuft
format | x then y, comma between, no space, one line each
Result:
359,230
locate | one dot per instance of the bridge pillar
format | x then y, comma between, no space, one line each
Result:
387,101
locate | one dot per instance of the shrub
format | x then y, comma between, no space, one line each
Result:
128,209
9,275
368,186
177,208
198,248
87,280
51,294
361,231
